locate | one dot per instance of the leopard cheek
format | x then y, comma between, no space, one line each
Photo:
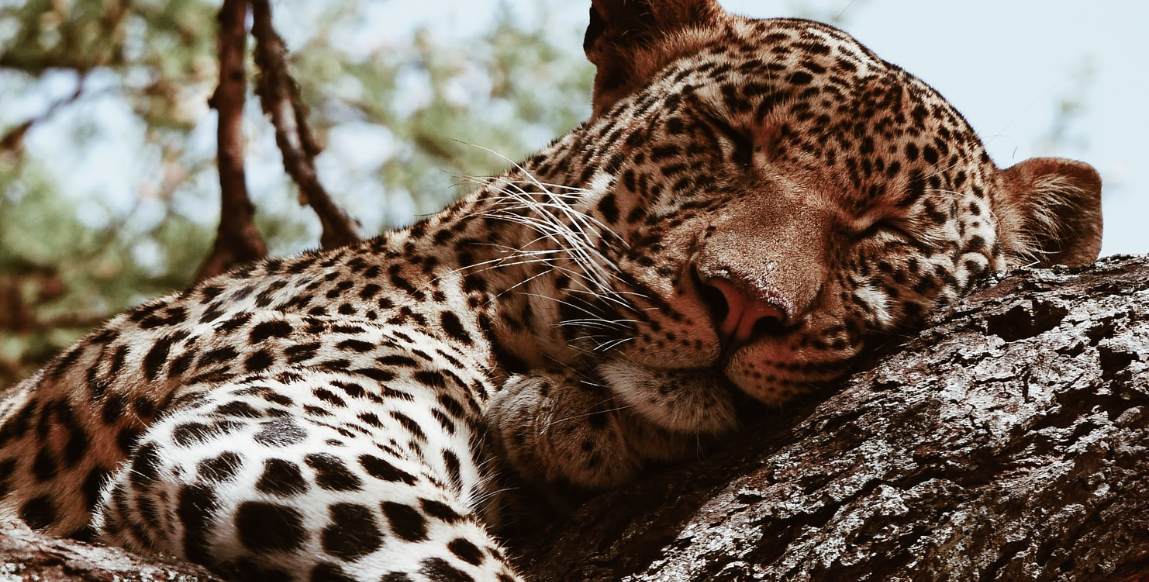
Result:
673,327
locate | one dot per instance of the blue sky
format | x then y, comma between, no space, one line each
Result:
1007,65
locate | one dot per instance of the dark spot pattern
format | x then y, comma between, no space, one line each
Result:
352,533
44,466
258,361
454,469
466,551
269,329
91,486
191,433
281,478
266,527
221,468
406,522
454,328
196,508
281,432
157,357
38,512
238,409
331,473
441,570
384,470
145,465
440,510
325,572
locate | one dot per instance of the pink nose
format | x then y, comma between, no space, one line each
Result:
742,312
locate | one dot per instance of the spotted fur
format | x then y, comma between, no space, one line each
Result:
750,204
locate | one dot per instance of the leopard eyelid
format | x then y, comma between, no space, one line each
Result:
883,224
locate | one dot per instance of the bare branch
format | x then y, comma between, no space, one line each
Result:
237,240
13,139
279,96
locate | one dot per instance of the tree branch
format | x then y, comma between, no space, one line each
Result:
280,98
27,555
1007,442
13,139
237,240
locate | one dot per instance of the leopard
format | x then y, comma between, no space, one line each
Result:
751,203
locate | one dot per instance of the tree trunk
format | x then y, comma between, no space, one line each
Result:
1008,441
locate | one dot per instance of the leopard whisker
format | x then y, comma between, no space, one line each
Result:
616,408
550,231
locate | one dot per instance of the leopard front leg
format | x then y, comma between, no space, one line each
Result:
556,426
560,427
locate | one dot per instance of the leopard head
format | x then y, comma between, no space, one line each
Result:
768,195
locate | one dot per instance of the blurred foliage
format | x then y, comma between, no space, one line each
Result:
108,192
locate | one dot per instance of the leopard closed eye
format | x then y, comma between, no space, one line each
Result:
750,202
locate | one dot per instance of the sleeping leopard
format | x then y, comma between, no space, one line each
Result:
751,203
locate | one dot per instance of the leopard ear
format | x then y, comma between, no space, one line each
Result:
629,40
1051,213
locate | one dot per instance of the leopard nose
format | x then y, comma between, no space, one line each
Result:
739,316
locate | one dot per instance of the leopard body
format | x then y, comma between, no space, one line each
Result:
752,202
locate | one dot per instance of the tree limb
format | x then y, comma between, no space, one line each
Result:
13,139
280,98
27,555
1010,441
237,240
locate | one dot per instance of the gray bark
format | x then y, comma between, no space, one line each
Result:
26,556
1008,441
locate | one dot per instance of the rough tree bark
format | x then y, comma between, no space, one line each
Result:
1008,441
26,556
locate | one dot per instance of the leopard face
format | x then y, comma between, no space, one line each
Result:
768,196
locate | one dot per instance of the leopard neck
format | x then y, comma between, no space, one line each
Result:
486,258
